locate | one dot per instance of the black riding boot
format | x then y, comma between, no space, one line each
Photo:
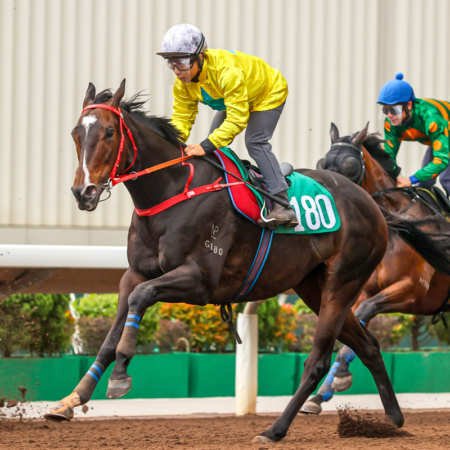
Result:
280,215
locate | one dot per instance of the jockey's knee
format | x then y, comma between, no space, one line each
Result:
256,144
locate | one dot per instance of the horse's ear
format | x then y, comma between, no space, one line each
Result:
90,95
359,138
118,95
334,133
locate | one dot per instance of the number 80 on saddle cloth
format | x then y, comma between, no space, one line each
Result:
314,206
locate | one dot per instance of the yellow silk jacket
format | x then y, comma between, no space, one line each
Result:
233,82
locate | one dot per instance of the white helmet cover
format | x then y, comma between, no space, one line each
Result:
183,40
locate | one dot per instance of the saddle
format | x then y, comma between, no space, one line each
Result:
442,199
256,177
435,199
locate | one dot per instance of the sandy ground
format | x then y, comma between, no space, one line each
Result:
429,430
221,405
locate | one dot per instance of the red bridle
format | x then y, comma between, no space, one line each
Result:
114,178
185,195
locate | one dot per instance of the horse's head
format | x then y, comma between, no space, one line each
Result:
345,155
97,137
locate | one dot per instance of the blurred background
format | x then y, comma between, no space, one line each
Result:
335,55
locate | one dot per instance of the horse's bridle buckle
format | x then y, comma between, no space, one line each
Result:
108,188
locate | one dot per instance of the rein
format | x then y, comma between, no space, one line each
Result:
116,179
404,190
410,192
120,178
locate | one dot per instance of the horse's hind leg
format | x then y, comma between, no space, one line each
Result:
339,379
398,297
338,295
63,410
367,348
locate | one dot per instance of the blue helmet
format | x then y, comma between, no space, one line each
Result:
396,91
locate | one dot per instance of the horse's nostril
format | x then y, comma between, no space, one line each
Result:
90,191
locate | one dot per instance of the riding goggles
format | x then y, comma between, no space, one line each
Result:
394,110
178,66
182,64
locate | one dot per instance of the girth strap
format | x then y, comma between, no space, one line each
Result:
226,312
250,280
440,313
256,268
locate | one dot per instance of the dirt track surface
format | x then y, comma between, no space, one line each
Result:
429,431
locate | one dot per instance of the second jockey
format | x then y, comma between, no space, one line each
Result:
246,93
414,119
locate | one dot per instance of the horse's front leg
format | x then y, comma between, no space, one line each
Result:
63,410
181,285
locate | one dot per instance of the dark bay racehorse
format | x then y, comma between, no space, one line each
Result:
169,262
403,282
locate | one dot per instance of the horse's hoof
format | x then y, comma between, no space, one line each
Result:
56,417
262,440
341,384
118,388
397,419
311,408
59,413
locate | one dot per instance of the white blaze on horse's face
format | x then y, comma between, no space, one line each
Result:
87,122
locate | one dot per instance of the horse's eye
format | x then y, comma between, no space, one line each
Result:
110,132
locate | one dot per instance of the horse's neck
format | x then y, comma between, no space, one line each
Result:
150,190
377,180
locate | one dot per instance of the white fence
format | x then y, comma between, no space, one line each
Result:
60,269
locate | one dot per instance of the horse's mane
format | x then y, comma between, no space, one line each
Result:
160,125
373,143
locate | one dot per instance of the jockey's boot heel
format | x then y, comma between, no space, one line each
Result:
280,215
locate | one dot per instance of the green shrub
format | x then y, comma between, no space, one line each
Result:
13,335
276,325
439,330
93,333
39,323
173,335
97,305
206,331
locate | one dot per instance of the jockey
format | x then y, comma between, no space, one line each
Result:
414,119
246,93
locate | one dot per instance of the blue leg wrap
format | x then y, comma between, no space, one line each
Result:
132,321
347,353
95,372
326,391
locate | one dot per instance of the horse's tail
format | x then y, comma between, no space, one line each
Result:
433,247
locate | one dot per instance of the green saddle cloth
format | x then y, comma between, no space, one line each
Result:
314,206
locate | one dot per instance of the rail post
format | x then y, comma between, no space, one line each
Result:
247,360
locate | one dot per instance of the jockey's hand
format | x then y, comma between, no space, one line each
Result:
403,182
194,150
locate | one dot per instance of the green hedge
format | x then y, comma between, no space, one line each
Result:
182,375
